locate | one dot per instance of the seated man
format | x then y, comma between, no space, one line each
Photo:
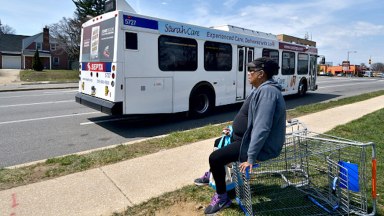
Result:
262,129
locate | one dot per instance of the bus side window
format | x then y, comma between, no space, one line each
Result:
288,65
218,56
302,64
273,54
130,40
177,53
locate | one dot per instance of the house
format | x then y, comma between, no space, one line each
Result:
19,50
10,51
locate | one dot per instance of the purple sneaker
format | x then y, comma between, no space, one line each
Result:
218,203
204,180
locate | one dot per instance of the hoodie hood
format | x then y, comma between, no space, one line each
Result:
272,82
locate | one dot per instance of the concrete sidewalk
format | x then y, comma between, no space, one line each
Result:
112,188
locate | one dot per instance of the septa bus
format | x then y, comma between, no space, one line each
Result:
136,64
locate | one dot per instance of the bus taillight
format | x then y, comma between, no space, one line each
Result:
113,69
106,90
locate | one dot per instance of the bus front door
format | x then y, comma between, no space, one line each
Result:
244,56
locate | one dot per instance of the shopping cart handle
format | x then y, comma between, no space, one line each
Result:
247,172
290,121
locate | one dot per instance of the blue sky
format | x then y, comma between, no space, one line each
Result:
338,26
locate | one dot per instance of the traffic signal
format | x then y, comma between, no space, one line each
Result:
369,61
322,60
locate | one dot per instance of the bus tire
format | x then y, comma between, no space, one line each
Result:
201,102
302,88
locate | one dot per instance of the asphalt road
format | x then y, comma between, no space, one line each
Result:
41,124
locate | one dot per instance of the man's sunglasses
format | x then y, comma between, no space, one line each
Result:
253,70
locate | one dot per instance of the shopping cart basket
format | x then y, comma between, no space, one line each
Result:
315,174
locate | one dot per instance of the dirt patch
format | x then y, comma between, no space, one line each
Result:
8,76
182,209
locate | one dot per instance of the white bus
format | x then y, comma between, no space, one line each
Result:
136,64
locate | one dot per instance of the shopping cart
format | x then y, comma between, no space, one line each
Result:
315,174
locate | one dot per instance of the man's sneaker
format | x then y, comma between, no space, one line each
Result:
218,203
204,180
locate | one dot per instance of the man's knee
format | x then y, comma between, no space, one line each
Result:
214,157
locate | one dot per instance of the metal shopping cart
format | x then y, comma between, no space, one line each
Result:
315,174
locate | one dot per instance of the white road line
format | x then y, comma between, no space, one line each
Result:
60,92
31,104
45,118
353,84
39,95
338,80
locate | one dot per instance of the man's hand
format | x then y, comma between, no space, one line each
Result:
243,166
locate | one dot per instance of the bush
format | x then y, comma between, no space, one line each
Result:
37,65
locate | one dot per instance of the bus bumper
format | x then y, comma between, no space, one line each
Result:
104,106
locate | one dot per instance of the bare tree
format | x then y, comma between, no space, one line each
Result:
377,67
6,29
67,33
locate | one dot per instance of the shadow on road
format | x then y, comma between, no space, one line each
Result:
145,126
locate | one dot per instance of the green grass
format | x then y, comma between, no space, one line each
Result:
60,166
49,75
367,129
312,108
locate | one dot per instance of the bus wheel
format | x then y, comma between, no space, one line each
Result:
201,103
302,88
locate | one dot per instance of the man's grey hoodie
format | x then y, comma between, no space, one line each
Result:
265,134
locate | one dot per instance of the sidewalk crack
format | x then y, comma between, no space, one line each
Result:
110,179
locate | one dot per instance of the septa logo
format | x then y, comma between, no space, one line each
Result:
96,66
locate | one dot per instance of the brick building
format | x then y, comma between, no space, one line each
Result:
17,51
352,70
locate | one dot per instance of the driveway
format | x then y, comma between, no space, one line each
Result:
8,76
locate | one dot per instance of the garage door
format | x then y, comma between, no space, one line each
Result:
11,62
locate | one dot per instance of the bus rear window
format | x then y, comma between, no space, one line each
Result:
130,40
177,54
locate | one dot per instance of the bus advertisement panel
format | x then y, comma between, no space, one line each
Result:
98,42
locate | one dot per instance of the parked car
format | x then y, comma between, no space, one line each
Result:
368,74
322,73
